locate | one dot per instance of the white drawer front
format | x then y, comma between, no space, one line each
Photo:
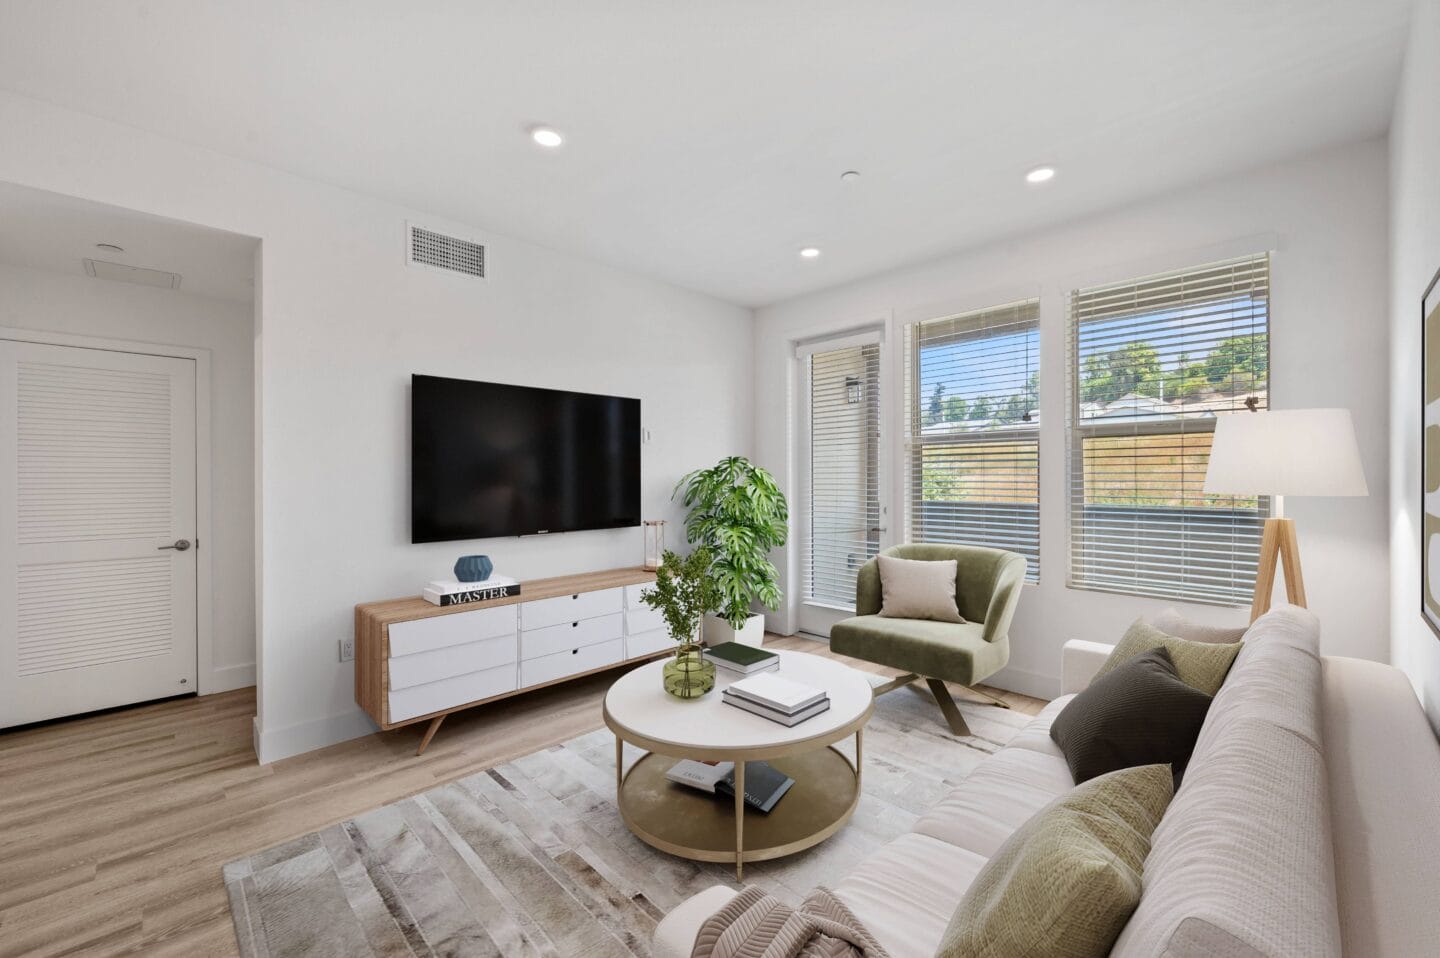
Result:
647,642
551,667
634,592
448,693
570,635
408,670
457,628
643,620
570,608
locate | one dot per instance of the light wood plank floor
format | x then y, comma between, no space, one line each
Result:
113,828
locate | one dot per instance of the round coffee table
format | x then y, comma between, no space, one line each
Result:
691,824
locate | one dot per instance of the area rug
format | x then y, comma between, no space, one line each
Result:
531,858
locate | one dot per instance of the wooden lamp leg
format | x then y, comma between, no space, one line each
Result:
1278,546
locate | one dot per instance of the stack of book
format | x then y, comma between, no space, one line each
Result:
450,592
745,659
764,786
779,700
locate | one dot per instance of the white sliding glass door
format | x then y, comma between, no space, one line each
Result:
843,470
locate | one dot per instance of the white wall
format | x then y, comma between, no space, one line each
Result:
343,323
59,303
1415,255
1326,216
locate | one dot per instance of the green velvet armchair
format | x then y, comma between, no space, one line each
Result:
987,589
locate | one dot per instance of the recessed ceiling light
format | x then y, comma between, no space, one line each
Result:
810,252
1040,174
850,176
546,137
111,247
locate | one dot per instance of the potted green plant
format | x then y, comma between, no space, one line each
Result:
683,592
738,512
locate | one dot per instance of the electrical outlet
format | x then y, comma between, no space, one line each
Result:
347,649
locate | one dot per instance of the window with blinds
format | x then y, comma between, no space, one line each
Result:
844,468
972,388
1153,363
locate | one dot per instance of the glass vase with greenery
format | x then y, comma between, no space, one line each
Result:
683,592
739,514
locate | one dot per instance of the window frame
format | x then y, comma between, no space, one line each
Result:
914,443
1078,430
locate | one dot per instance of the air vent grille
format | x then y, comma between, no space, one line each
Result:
429,248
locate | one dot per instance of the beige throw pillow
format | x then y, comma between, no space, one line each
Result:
1173,622
1200,665
1064,884
918,589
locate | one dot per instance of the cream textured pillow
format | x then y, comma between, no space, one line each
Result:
1200,665
918,589
1064,883
1173,622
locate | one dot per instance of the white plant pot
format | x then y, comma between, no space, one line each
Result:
717,631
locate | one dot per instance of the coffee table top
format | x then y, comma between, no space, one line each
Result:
639,710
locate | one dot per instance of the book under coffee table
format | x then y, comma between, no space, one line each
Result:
697,826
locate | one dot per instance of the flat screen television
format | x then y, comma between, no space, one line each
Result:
490,459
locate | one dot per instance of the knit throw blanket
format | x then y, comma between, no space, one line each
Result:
756,925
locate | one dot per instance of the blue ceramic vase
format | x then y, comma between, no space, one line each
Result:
473,568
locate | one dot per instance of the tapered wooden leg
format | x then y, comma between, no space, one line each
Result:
951,711
859,745
1290,561
429,734
619,766
1278,547
739,820
1265,571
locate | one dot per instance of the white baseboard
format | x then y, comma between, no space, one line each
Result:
225,678
1035,684
274,744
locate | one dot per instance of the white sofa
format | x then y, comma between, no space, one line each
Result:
1307,825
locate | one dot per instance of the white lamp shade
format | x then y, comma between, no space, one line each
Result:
1289,452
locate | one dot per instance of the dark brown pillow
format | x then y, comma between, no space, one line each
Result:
1139,713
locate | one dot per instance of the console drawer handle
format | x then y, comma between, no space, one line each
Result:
574,624
574,651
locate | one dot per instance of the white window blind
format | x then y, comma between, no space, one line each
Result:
844,468
1153,362
973,430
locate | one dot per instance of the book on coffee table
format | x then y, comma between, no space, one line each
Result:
787,719
764,786
699,775
742,658
774,692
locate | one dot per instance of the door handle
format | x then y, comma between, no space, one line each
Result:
180,545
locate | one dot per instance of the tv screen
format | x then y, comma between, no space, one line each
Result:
489,459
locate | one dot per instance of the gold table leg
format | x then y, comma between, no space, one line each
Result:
739,819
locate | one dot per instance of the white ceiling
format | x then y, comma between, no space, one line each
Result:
48,231
706,139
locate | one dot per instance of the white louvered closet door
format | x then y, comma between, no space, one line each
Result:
98,456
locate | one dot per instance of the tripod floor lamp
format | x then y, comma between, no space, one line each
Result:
1292,452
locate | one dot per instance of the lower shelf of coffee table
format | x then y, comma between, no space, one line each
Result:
701,827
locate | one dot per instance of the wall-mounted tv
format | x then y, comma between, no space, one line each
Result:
489,459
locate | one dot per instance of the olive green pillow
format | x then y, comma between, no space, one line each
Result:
1064,883
1200,665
